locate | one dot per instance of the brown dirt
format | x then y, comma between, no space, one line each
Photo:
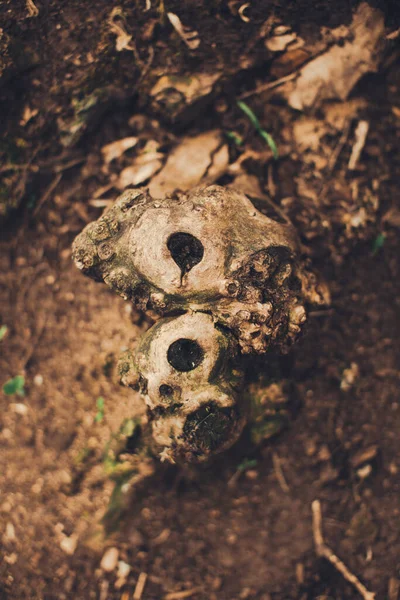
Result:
250,539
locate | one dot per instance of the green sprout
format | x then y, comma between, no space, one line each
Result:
3,331
247,463
235,137
378,243
100,410
15,386
257,126
117,446
82,456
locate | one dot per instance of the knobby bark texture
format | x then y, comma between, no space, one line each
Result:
295,105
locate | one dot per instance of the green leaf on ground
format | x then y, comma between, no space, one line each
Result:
257,126
235,137
15,386
378,243
247,463
3,331
100,409
250,114
270,141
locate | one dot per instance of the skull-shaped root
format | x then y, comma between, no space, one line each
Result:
186,371
209,250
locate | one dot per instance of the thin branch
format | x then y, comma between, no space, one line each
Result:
269,86
181,595
50,189
279,473
360,134
141,582
324,551
12,167
339,146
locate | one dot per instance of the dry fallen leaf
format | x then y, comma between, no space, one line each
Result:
116,149
27,115
137,174
220,161
288,62
248,184
392,217
189,36
309,138
143,167
278,43
332,75
308,133
33,10
192,88
115,23
337,114
187,164
174,96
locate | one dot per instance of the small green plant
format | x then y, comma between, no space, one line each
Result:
100,410
31,201
3,331
247,463
15,386
235,137
82,456
378,243
257,126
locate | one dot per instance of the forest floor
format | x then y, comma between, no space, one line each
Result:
240,528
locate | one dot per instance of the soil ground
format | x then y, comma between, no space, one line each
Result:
198,530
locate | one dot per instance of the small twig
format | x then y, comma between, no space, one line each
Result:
36,168
339,146
162,537
100,202
34,344
333,160
11,167
141,582
181,595
234,479
124,39
68,165
324,551
326,312
148,63
50,189
269,86
279,473
360,135
393,35
276,208
273,84
271,182
189,36
104,585
393,588
102,190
